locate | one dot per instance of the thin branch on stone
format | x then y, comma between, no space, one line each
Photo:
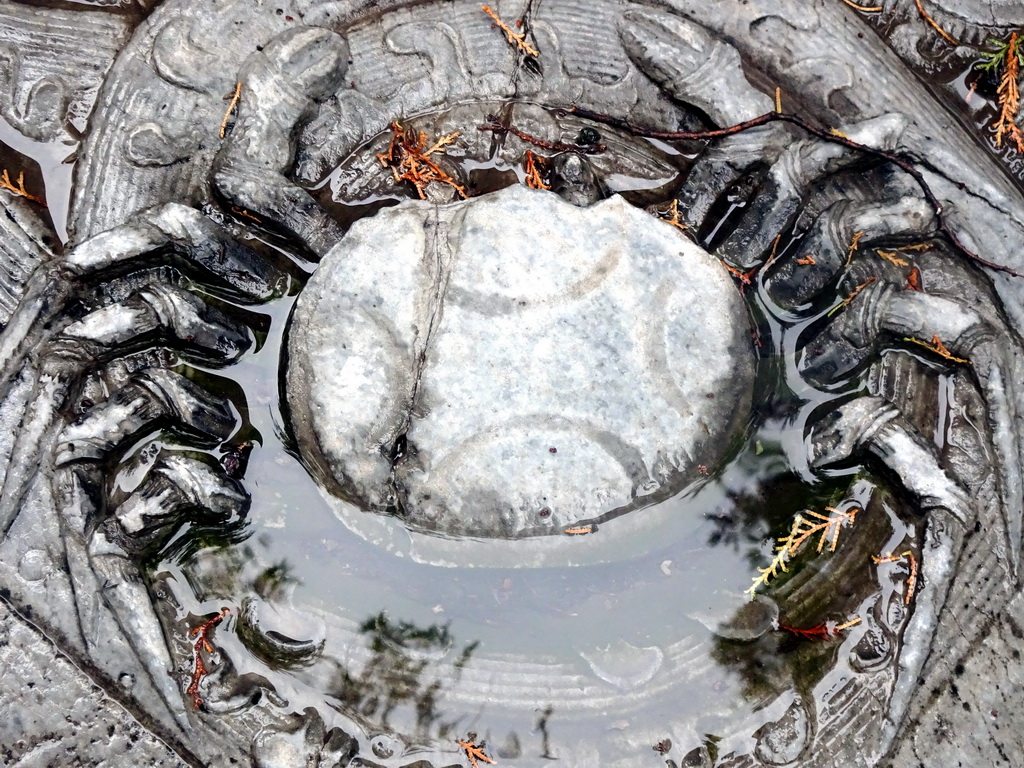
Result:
903,163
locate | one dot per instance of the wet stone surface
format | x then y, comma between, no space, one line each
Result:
53,716
612,363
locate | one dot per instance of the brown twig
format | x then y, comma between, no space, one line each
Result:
202,644
902,163
496,126
231,108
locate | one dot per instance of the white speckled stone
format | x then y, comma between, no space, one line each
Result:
551,366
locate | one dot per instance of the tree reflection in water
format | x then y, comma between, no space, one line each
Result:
396,675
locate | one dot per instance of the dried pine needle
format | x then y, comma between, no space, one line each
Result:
231,109
853,295
937,347
934,24
408,157
518,39
863,8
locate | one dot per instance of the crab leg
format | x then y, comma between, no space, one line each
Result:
115,611
187,234
281,86
154,396
873,426
177,488
901,214
777,199
159,309
885,310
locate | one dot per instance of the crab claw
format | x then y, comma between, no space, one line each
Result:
280,88
686,61
873,426
178,489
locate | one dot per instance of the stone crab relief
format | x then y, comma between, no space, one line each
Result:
410,261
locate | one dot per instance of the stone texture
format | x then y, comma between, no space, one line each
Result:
53,716
546,365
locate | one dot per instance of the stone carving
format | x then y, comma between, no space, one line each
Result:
118,448
632,405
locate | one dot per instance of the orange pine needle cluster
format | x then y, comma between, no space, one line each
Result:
474,752
854,243
534,175
807,260
202,644
911,576
803,529
892,258
518,39
19,188
408,157
1008,96
938,348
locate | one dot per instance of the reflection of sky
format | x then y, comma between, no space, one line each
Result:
50,155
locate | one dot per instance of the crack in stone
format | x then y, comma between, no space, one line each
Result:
440,253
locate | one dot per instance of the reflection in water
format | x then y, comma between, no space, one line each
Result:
395,675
